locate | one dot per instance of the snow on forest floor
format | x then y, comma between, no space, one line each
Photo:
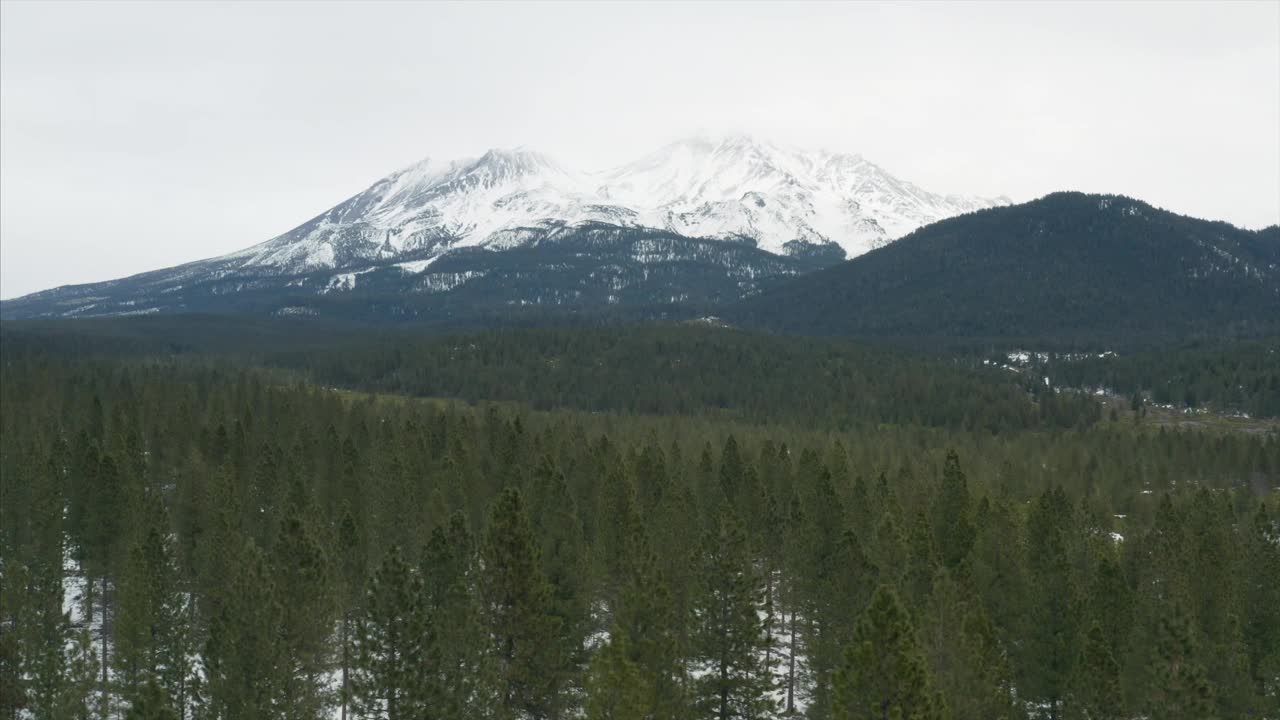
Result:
85,615
780,635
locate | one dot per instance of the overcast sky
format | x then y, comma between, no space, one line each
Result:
138,136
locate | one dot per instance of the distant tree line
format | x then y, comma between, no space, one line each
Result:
1239,376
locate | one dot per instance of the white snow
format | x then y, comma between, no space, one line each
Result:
740,186
295,310
413,267
720,187
345,281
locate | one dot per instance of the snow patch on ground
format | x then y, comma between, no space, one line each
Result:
295,310
345,281
413,267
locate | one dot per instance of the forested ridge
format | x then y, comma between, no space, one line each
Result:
1104,270
696,369
183,536
662,369
702,367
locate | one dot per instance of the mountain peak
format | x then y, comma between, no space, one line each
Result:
728,187
733,142
517,161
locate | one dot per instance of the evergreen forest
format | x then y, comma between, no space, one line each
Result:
651,522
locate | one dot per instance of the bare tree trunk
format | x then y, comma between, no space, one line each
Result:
102,632
346,660
791,667
182,662
768,619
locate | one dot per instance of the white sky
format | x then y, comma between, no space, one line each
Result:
138,136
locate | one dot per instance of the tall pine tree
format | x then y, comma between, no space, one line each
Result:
466,677
728,637
395,647
526,634
885,675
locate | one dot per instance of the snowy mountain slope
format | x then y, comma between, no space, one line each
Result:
728,188
740,186
795,209
431,206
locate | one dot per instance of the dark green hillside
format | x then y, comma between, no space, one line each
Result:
697,369
1068,267
692,368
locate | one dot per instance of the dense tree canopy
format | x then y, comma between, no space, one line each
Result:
196,538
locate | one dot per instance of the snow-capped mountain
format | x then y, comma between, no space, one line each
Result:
732,188
431,206
738,186
700,220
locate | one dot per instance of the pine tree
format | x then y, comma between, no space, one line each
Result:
55,658
304,578
618,502
616,688
1181,688
953,529
861,518
565,561
102,553
350,598
1214,552
1261,591
826,559
395,649
707,485
466,677
33,628
884,675
795,602
728,638
889,550
1051,648
732,474
1098,678
922,563
999,567
526,635
645,638
842,596
244,665
44,632
152,630
965,658
1111,603
990,669
74,696
13,691
151,702
676,520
